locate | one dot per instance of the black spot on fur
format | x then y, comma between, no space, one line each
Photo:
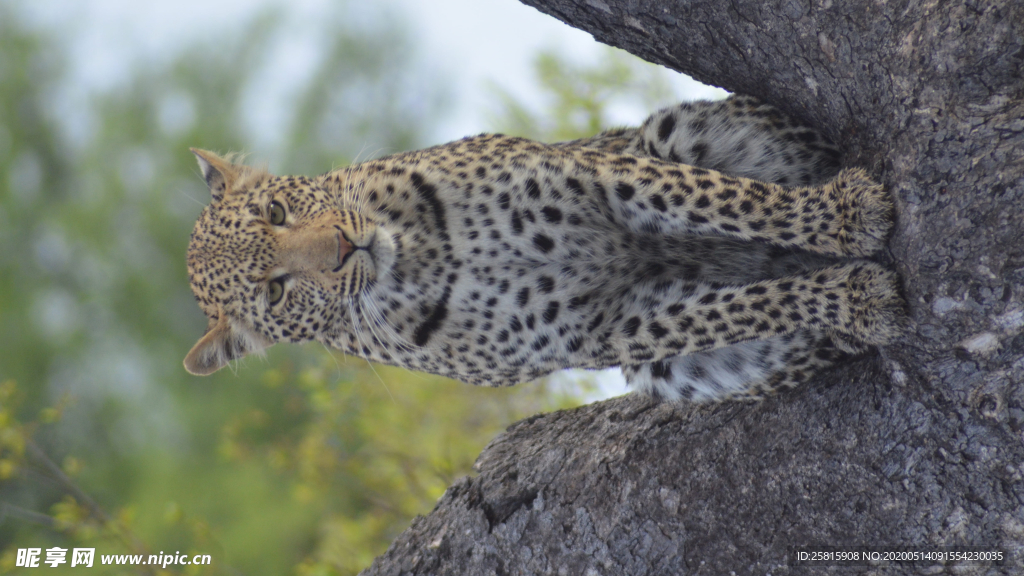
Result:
532,189
624,191
661,370
543,243
551,214
666,126
545,284
631,326
539,343
523,297
699,151
423,332
550,313
657,330
517,223
574,344
428,193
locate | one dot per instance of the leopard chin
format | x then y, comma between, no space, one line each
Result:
383,253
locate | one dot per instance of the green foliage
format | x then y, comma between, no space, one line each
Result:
305,463
580,98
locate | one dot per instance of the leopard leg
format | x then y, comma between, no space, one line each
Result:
858,301
849,216
748,370
739,136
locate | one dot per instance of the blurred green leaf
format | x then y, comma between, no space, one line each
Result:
579,99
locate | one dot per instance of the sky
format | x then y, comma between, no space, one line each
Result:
475,45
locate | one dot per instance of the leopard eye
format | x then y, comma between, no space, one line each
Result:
277,213
276,290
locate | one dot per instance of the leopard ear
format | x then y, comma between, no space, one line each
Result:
220,345
220,174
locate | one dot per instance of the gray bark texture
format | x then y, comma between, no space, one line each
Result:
921,444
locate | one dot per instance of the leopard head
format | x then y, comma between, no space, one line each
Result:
274,259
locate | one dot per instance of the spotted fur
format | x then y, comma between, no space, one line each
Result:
496,260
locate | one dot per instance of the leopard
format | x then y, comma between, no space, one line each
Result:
717,251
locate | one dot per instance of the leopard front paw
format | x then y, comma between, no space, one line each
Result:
865,213
878,311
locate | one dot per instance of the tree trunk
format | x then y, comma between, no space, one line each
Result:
919,445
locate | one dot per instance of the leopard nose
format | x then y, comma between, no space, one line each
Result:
313,250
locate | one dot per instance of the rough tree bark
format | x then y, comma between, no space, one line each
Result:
921,444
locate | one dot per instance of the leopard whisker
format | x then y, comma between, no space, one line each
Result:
355,324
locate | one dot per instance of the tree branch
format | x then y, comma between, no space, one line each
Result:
920,445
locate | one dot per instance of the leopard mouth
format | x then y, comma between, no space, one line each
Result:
344,256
